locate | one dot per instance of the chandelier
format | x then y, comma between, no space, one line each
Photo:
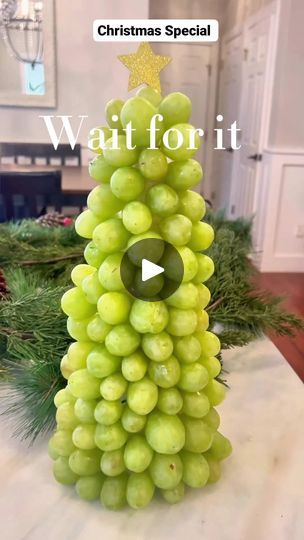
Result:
21,29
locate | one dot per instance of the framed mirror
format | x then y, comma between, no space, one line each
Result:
27,53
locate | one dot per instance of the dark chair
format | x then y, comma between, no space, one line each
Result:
32,186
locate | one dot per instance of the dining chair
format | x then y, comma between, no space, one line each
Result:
37,189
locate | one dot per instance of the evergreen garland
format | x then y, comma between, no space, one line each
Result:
37,261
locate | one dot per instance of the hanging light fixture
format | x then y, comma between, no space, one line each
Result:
21,29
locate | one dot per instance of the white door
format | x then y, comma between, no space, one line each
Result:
189,72
229,108
256,89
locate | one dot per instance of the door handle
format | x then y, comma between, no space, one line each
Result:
256,157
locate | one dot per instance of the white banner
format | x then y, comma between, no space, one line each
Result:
166,30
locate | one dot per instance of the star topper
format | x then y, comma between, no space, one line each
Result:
144,66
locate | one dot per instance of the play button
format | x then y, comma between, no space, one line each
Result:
151,269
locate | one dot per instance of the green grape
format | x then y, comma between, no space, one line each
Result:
150,288
83,385
140,490
109,438
78,329
142,396
111,236
65,416
62,472
97,137
134,366
215,392
184,175
166,471
169,401
162,200
113,108
149,317
139,112
113,492
97,329
101,363
179,145
127,183
212,365
113,387
182,322
193,377
83,437
109,272
93,256
205,268
139,249
63,396
150,94
198,435
192,205
108,412
195,469
185,297
164,433
176,229
187,349
75,305
202,321
64,367
175,495
119,155
89,487
176,108
112,463
101,170
136,217
80,272
131,421
84,410
92,288
77,354
221,447
214,469
153,164
165,374
189,263
204,296
212,419
210,343
85,462
195,404
157,347
114,307
122,340
61,443
202,236
52,452
86,223
138,454
103,203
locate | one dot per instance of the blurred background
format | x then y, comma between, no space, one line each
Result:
50,65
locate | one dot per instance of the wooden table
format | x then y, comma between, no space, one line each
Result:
74,179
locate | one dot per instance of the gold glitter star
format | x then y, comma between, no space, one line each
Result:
145,67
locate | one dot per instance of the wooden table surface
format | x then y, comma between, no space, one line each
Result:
74,179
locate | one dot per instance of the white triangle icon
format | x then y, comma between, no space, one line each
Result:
149,270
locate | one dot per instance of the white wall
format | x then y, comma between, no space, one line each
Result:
88,73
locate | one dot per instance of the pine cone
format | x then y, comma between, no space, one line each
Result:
4,290
52,219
